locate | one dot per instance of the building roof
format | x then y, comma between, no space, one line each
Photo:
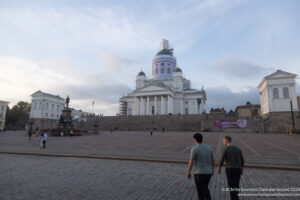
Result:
275,76
39,92
4,102
248,106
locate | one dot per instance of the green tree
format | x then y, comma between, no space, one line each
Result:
18,115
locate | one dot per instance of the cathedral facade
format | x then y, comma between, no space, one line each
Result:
167,92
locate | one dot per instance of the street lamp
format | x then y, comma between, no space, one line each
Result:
292,113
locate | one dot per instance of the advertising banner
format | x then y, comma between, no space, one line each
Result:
240,123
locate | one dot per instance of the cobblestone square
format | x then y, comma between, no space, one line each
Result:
44,177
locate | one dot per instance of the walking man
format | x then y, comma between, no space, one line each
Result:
234,166
44,139
202,158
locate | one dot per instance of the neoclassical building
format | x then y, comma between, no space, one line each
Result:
46,106
277,91
167,92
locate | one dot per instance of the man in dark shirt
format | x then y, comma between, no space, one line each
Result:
234,166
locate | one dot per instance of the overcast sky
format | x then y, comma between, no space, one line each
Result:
92,50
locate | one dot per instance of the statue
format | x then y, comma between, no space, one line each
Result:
68,101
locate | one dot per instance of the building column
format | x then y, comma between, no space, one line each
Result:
148,106
135,106
162,105
181,106
155,105
170,105
196,106
142,106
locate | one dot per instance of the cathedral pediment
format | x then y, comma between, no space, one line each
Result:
153,87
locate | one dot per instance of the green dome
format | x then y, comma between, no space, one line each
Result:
141,73
165,52
177,69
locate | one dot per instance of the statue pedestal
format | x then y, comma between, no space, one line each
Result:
67,120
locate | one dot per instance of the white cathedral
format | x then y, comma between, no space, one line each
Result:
168,92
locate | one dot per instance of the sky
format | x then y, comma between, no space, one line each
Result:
92,50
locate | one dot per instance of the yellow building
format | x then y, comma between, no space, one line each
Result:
248,110
3,108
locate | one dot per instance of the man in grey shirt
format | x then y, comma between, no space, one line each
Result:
234,166
202,157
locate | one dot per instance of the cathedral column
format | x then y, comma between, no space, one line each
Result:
135,106
196,106
181,106
170,105
148,106
155,105
141,106
162,105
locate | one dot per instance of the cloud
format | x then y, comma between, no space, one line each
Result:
24,77
235,67
223,97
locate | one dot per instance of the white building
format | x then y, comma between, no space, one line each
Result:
168,92
276,91
46,106
3,108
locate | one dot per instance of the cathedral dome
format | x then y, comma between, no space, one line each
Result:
165,52
177,69
141,73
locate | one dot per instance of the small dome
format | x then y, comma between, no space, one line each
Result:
165,52
177,69
141,73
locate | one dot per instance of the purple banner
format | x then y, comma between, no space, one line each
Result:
240,123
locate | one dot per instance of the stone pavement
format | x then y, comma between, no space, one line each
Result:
259,149
53,178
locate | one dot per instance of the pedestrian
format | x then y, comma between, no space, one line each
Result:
163,129
234,159
202,158
44,139
151,132
29,134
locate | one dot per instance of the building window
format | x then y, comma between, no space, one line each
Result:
35,106
52,107
156,70
169,70
168,64
52,115
275,93
162,64
162,70
286,92
57,108
46,114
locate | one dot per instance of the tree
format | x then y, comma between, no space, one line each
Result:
18,115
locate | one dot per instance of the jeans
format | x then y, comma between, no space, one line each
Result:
233,180
202,181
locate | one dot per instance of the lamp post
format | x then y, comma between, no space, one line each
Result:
292,113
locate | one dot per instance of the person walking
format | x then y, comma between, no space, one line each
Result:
151,132
44,139
29,134
202,158
234,166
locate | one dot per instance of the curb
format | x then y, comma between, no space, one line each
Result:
137,159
